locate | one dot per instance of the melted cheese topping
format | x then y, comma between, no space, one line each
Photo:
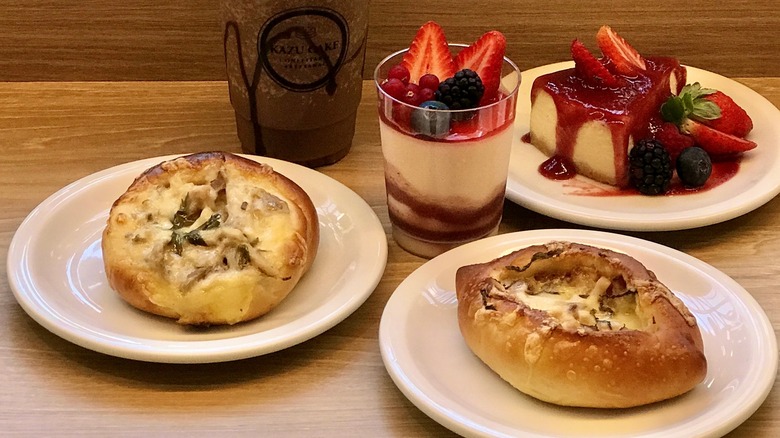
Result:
253,222
580,304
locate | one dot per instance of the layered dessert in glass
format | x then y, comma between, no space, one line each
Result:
445,163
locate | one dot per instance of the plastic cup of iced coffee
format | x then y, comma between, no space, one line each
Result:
445,169
294,71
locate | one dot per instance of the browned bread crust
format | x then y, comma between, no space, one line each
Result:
638,345
209,238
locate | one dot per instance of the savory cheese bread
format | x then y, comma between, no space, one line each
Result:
576,325
209,238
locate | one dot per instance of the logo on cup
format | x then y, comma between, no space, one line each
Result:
302,49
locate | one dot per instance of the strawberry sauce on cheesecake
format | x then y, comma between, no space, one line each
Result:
630,121
590,117
593,127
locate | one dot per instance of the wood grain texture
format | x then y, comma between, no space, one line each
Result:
333,385
96,40
737,38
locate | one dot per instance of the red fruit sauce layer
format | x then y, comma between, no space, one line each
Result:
460,223
628,110
722,171
488,122
556,168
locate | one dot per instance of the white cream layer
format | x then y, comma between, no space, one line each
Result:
436,170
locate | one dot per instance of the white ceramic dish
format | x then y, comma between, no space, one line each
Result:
55,270
428,360
755,184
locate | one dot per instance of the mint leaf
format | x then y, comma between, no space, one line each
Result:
673,110
690,103
705,91
690,88
687,100
696,91
704,109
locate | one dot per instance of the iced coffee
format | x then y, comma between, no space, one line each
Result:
295,75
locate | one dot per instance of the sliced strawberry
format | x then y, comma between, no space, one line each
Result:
733,119
716,142
429,53
486,57
623,58
589,68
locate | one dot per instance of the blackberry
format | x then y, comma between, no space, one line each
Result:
462,91
650,167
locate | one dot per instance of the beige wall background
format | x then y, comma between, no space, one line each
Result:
88,40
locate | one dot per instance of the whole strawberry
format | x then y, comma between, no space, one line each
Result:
690,103
733,119
711,118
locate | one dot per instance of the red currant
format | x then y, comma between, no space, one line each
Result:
399,72
426,94
429,80
412,94
395,88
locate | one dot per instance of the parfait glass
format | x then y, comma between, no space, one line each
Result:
445,170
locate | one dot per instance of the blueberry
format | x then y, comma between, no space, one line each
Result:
430,119
694,166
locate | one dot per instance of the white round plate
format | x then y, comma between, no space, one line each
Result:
55,269
428,360
755,184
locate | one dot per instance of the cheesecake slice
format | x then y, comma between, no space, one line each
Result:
593,126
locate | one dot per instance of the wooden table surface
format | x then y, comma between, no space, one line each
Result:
52,134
